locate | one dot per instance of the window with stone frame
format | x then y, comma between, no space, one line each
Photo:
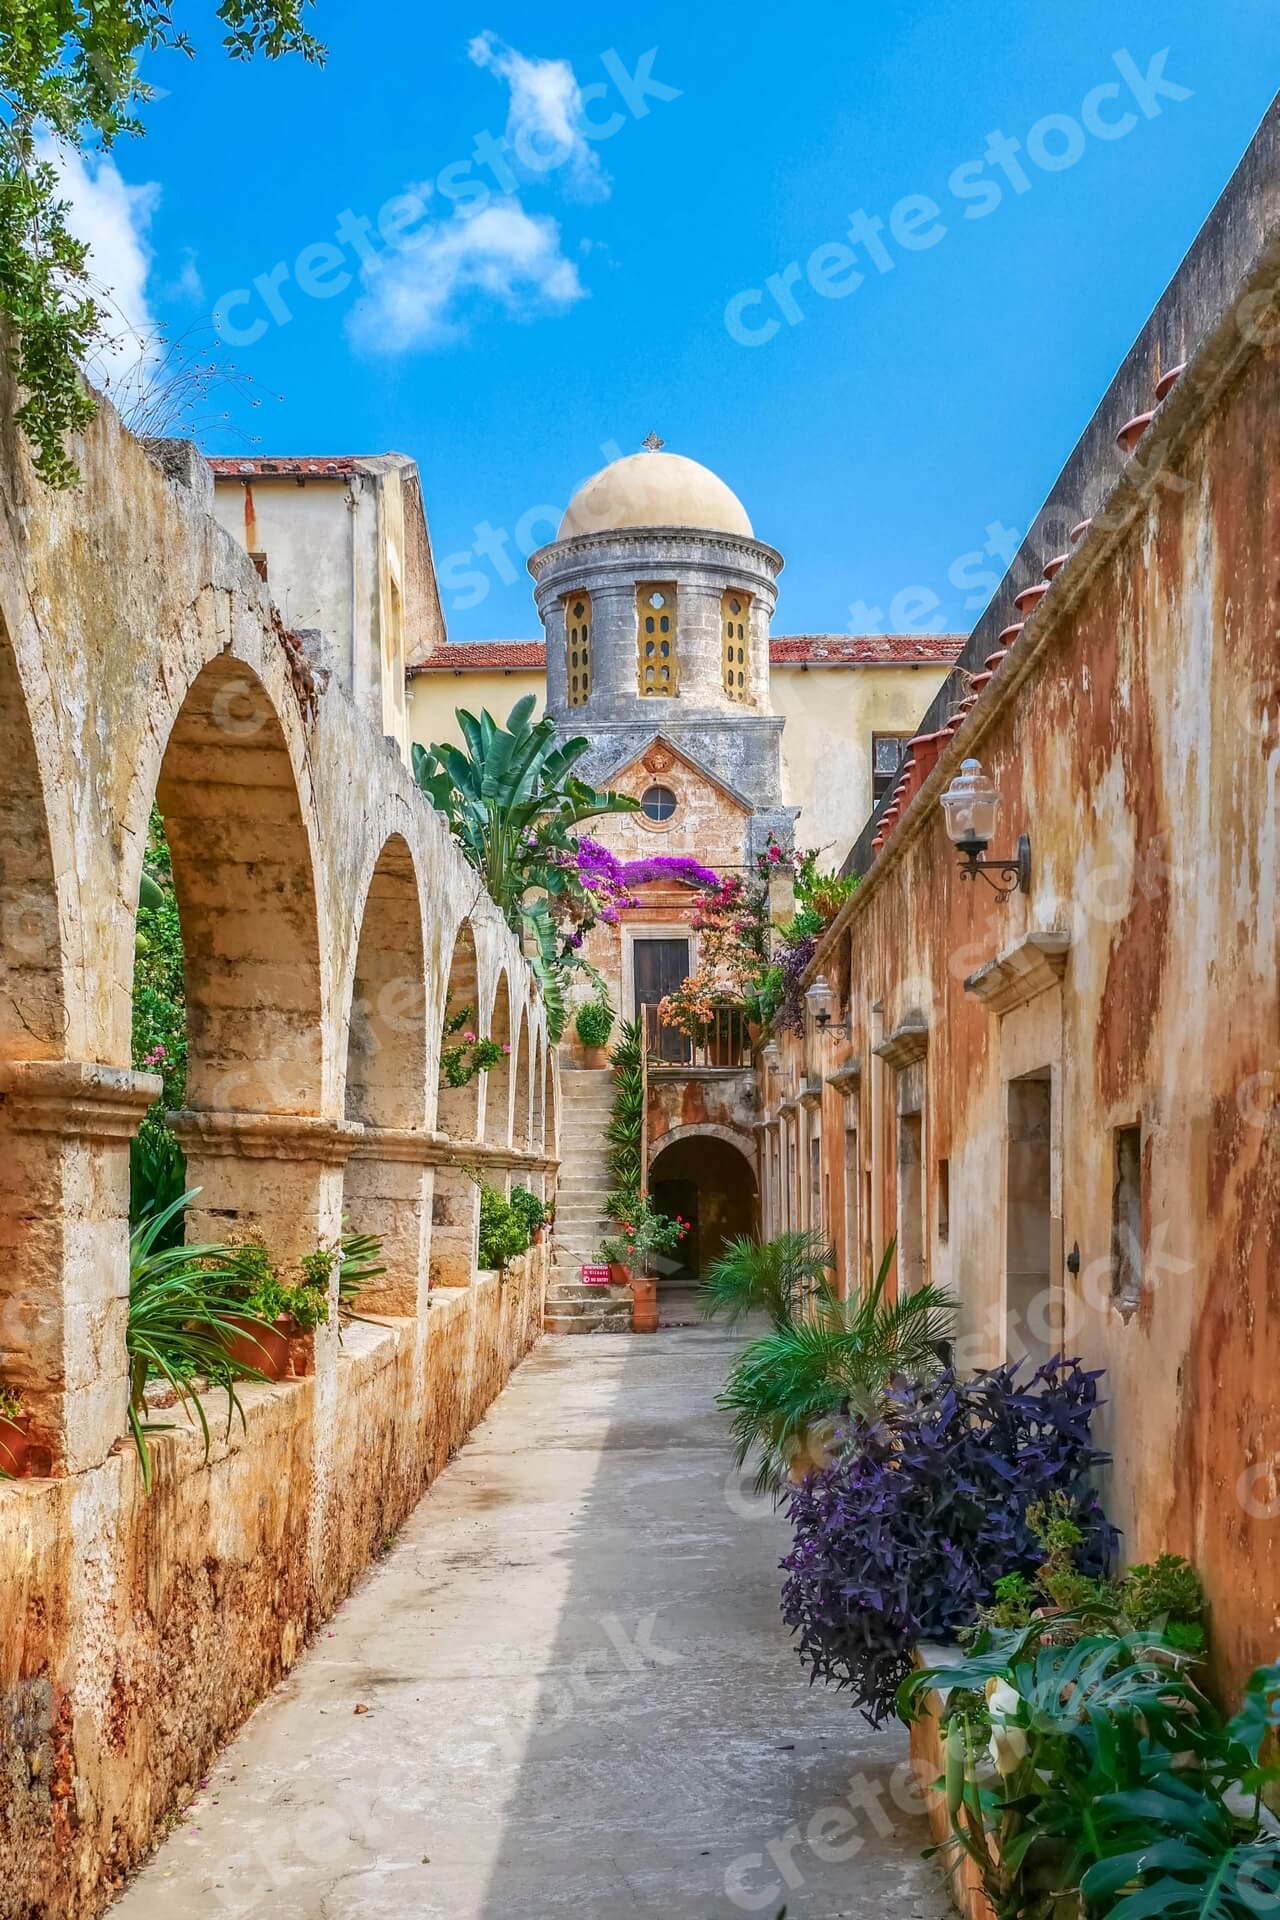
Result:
577,633
735,633
657,666
887,750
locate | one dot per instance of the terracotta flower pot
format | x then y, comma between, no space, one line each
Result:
595,1057
268,1350
644,1303
13,1446
619,1276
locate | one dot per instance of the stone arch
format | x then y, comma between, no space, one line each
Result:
497,1093
457,1108
386,1076
455,1202
243,875
707,1174
522,1101
245,885
384,1187
32,979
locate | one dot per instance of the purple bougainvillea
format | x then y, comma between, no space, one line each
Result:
669,866
904,1536
603,879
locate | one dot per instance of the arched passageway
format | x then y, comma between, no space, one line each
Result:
386,1083
712,1184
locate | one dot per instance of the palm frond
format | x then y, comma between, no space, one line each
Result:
768,1276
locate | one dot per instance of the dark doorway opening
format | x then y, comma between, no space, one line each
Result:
713,1186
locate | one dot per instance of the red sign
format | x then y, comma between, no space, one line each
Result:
595,1276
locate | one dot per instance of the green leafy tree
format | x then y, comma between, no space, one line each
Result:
72,74
512,801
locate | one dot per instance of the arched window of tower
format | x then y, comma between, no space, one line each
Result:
657,659
735,627
577,627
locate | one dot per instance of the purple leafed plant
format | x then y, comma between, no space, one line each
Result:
904,1536
669,866
793,961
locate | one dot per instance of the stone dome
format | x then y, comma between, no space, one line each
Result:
654,489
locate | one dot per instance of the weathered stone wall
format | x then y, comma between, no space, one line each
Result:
1001,1054
323,907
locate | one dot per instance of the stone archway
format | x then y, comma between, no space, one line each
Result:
257,1146
385,1184
708,1176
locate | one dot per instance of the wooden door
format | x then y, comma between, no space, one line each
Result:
660,966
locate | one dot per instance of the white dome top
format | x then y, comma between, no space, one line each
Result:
654,490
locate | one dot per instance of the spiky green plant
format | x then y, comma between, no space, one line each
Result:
837,1361
625,1130
185,1308
766,1276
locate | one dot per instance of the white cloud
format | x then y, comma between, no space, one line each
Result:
545,118
415,297
113,219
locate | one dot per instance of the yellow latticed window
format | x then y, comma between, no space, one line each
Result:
656,639
735,631
577,627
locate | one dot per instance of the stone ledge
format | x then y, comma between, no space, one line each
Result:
262,1136
84,1099
1022,971
846,1078
907,1044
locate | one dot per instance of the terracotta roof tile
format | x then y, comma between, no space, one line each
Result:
865,649
461,656
322,466
788,650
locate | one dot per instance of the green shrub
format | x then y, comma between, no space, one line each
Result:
594,1023
529,1208
183,1306
503,1234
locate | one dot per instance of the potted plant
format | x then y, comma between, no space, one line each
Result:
593,1025
13,1434
527,1206
273,1329
643,1233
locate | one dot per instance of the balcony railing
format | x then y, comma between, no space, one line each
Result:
726,1043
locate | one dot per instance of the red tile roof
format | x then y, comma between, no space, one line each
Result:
805,649
462,656
321,466
865,649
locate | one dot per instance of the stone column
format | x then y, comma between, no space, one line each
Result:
388,1190
277,1175
455,1219
64,1280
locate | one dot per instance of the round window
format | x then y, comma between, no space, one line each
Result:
657,803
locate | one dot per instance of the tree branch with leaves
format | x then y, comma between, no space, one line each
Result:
70,75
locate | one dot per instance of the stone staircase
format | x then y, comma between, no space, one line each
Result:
586,1097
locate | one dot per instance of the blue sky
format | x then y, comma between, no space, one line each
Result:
876,438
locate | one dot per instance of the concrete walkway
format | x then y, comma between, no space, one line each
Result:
565,1692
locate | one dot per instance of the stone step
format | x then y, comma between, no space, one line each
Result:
572,1292
607,1323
